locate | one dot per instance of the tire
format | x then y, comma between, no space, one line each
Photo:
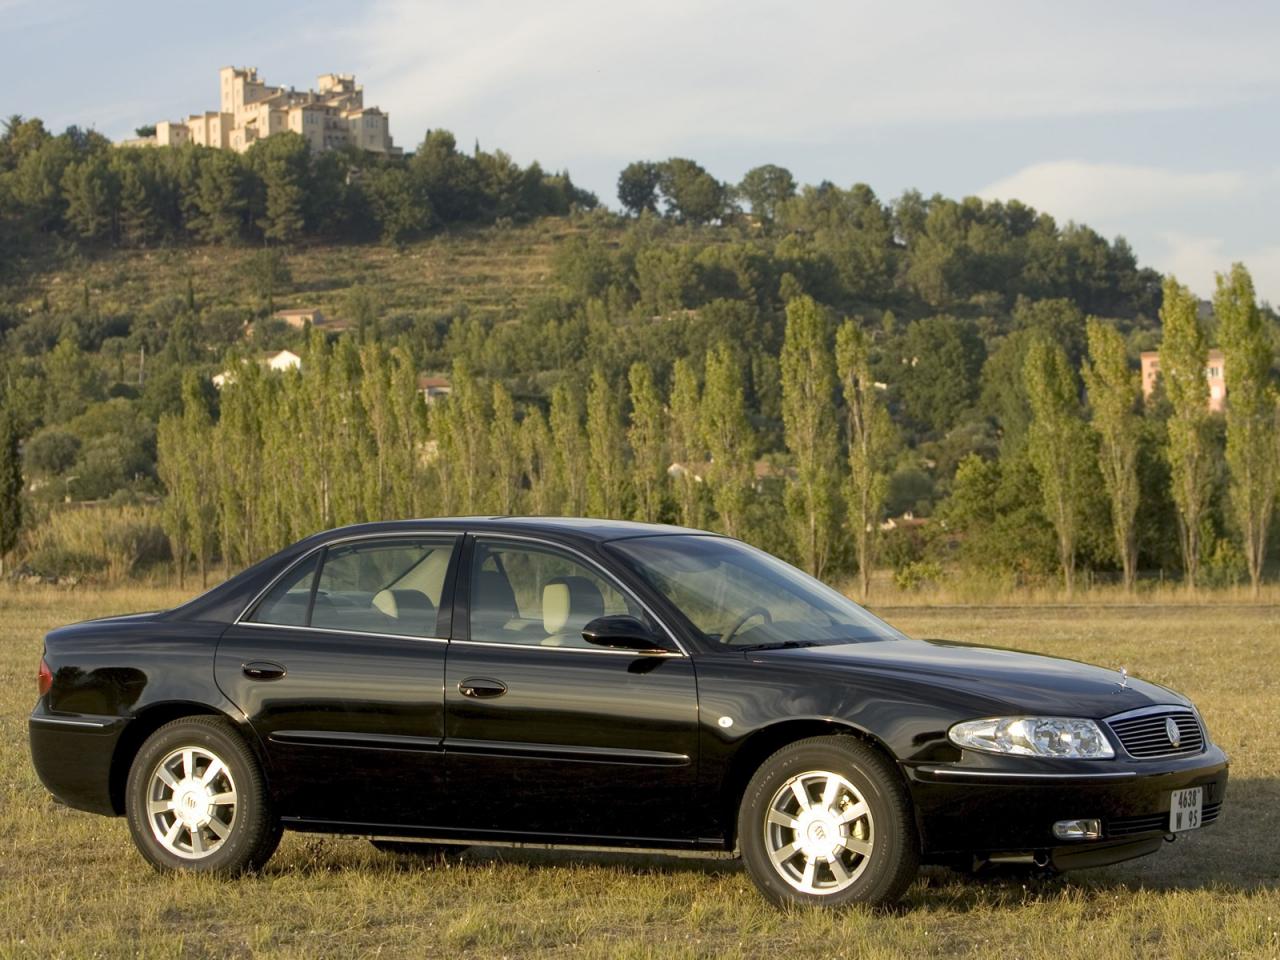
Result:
412,848
178,821
854,841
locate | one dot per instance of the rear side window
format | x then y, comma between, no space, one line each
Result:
286,605
382,586
392,587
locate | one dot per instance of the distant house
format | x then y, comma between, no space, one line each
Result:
300,317
1213,372
433,388
908,521
279,361
697,469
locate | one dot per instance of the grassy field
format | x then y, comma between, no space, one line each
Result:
71,884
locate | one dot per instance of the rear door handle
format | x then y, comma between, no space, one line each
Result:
262,670
481,688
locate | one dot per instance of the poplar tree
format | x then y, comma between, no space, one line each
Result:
647,435
184,462
375,397
409,497
464,440
572,465
728,437
688,448
1183,354
537,456
10,485
175,471
1251,413
1056,441
1114,388
870,438
808,393
606,443
505,452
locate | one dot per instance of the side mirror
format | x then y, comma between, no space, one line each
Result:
622,632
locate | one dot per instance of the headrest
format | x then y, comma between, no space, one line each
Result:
569,603
404,604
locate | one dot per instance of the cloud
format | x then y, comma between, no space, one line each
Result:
1195,260
578,76
1092,192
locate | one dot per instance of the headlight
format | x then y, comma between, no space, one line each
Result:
1034,737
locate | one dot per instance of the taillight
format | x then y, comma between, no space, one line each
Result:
45,679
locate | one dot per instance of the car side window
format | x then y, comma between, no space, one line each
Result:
287,602
538,596
382,586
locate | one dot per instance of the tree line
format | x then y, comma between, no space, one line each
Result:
75,185
951,301
277,464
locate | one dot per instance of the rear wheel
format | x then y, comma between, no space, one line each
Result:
827,822
196,800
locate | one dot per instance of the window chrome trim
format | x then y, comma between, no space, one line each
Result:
454,535
613,651
605,573
345,633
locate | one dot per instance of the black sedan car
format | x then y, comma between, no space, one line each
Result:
590,684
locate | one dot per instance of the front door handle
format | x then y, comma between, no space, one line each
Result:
262,670
481,688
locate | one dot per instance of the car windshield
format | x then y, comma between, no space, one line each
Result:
742,597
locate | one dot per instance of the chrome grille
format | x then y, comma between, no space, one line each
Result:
1146,735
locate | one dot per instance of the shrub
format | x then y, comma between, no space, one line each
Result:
114,542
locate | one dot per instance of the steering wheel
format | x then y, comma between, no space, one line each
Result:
742,620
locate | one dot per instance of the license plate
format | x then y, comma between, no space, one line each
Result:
1184,809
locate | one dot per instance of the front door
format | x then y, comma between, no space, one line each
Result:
547,735
340,669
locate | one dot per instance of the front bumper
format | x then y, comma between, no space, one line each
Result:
991,804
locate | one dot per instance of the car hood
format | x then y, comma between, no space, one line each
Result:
1009,681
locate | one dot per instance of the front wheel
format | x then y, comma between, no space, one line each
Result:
196,800
827,822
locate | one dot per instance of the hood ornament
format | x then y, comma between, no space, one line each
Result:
1123,682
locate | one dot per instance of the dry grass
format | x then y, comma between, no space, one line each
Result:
71,885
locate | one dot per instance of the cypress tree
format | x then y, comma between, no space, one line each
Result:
10,485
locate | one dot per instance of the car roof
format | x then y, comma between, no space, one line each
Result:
570,528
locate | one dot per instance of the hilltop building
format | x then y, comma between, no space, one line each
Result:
1213,372
329,118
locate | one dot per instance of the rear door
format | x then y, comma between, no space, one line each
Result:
340,669
548,735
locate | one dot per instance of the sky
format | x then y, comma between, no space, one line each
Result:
1156,121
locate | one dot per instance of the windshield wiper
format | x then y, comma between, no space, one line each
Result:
780,645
